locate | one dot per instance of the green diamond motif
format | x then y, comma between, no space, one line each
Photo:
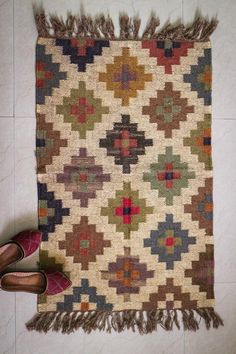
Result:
82,110
200,141
126,210
169,175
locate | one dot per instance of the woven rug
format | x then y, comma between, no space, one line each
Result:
125,173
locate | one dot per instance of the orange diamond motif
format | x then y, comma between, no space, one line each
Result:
125,77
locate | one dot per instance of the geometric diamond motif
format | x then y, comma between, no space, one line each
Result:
77,298
82,177
168,109
169,241
200,77
48,74
81,51
200,141
167,52
125,77
201,207
48,143
127,274
126,210
84,243
81,109
169,175
50,211
202,271
178,297
125,143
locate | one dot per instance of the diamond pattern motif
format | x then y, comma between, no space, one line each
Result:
84,243
81,51
168,53
169,241
126,210
127,274
168,109
169,175
125,77
82,110
125,143
83,178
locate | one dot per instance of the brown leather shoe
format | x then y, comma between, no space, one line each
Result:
48,282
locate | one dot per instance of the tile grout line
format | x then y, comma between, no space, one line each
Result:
14,136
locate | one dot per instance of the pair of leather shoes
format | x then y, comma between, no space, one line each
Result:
24,244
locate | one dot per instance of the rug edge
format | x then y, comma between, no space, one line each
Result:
102,27
143,322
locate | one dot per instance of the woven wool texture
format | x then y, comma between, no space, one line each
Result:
125,173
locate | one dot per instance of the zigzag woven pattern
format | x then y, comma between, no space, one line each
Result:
125,176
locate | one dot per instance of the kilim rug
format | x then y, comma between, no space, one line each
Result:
125,173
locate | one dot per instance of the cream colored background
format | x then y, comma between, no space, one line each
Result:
18,207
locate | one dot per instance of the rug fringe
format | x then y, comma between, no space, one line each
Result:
102,27
142,321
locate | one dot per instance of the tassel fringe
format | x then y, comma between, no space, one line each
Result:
142,321
102,27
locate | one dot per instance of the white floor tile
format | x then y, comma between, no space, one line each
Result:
223,49
24,56
6,177
25,189
6,60
7,327
223,339
25,130
25,182
160,342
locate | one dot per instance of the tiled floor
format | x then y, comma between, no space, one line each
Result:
18,180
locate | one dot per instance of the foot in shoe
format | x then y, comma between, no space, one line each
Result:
20,246
48,282
28,282
9,254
